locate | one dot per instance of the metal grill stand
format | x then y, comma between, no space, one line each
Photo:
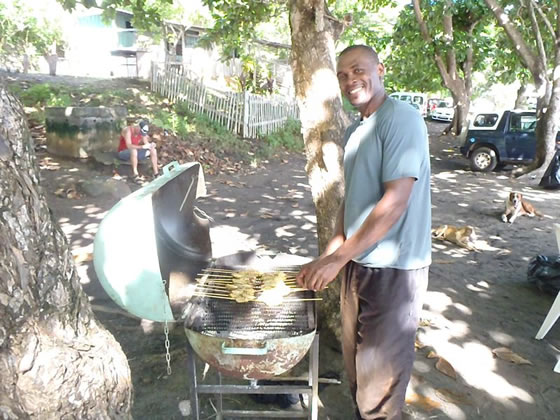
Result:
311,390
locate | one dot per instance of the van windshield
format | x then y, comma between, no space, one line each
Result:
406,98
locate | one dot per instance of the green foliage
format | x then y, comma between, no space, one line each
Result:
147,15
506,66
371,21
28,26
411,64
59,100
38,94
289,137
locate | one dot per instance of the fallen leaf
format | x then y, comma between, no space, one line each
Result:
422,402
432,355
425,323
418,344
508,355
73,194
445,367
82,257
453,396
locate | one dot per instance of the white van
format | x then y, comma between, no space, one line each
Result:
417,100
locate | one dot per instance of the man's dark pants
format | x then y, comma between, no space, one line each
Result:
380,309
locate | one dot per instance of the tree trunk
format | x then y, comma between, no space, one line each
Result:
548,107
26,63
461,104
52,59
322,119
56,360
521,96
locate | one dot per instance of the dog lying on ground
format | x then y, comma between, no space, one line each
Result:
517,206
463,236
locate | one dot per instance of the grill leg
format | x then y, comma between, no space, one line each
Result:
220,398
314,378
193,383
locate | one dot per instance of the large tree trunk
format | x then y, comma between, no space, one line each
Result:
56,361
322,119
521,96
548,107
461,104
52,59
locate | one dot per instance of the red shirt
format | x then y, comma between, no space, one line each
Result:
134,139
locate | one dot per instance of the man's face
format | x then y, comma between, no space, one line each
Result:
359,76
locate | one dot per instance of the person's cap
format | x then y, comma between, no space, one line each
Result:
144,128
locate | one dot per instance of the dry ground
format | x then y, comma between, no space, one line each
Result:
477,301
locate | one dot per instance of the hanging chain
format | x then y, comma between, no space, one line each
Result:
167,355
166,332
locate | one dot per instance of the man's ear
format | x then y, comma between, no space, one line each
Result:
380,69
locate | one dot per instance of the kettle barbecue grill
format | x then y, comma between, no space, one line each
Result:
152,254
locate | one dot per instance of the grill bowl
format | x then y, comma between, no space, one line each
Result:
251,340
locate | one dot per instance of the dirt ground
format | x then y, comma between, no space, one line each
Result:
476,302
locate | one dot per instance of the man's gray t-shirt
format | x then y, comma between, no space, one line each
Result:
390,144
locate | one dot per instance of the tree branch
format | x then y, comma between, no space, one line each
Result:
537,32
467,68
448,37
429,40
528,57
544,18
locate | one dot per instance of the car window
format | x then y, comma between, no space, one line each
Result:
406,98
485,120
523,123
443,104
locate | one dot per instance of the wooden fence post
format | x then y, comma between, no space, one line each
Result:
245,130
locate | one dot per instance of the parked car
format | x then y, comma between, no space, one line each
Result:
494,139
443,112
432,105
417,100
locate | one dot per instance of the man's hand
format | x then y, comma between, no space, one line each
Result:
317,274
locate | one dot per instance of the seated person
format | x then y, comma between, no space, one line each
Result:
135,145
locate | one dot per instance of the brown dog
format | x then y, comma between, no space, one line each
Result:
517,206
464,236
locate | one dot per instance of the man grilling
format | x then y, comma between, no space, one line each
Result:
381,237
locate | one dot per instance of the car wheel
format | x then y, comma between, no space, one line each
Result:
484,159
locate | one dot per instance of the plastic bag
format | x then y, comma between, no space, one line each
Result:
544,272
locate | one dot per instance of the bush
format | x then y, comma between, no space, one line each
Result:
59,100
38,94
289,137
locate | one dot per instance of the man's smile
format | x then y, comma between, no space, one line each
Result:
355,90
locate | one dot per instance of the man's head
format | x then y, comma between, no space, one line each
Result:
144,128
360,76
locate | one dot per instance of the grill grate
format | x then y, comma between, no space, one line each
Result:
251,320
